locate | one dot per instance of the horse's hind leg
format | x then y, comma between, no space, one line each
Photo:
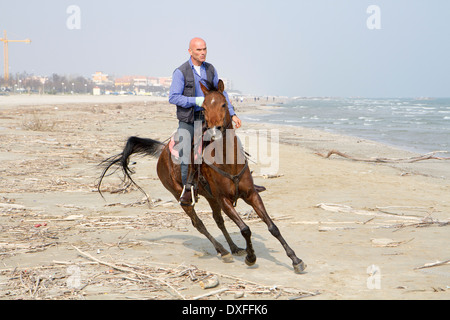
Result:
198,224
217,215
255,201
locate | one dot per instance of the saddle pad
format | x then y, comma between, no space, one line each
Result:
175,153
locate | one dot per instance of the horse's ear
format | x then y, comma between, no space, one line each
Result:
221,86
204,89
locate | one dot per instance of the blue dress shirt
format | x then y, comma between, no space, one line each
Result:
176,89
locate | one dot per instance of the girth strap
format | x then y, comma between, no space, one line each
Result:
235,178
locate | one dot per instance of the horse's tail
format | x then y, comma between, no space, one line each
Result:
134,145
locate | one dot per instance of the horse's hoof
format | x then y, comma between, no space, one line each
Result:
227,258
300,267
249,262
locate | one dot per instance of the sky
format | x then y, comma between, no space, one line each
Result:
345,48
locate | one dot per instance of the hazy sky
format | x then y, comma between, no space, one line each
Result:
277,47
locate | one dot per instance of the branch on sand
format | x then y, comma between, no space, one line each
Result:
427,156
434,264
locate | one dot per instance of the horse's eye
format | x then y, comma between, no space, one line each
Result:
224,105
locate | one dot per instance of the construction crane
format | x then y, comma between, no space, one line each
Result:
5,41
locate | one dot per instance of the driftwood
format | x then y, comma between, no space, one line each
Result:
211,280
124,269
347,209
212,293
427,156
434,264
411,221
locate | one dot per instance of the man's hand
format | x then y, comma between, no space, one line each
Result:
199,101
237,121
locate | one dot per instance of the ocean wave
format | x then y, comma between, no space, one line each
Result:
251,118
293,121
413,124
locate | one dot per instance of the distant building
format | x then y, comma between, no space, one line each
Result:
153,81
132,82
100,78
140,81
123,81
143,81
42,80
96,91
165,82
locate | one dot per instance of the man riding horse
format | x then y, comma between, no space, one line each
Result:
222,184
186,94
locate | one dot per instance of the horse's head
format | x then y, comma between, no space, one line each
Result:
217,116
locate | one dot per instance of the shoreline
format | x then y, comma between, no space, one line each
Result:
317,140
322,141
400,123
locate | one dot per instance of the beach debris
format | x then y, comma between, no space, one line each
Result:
411,220
433,264
11,206
341,208
305,295
209,282
212,293
324,229
427,156
272,176
56,167
130,270
38,225
386,242
74,217
54,281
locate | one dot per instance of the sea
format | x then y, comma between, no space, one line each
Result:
417,125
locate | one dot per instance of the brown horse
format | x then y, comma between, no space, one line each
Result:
223,183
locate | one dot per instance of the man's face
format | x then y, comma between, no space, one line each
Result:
198,51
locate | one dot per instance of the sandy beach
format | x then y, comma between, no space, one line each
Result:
365,229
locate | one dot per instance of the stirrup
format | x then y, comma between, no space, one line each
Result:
192,196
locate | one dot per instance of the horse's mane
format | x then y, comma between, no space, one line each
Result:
210,86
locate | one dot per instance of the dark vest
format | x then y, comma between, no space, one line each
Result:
187,114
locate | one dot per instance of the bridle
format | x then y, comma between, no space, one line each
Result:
235,178
226,125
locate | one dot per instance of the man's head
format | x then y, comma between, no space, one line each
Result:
197,50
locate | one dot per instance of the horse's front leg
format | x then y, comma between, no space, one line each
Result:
229,210
256,202
217,215
198,224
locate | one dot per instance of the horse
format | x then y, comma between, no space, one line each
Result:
223,183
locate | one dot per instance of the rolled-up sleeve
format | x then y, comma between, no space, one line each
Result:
176,91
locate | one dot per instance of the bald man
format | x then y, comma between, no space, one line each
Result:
186,94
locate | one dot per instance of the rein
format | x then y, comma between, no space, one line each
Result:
236,178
